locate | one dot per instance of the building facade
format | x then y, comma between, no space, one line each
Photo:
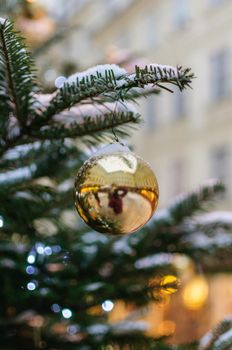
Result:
187,136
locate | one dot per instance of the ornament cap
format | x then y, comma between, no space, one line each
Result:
112,148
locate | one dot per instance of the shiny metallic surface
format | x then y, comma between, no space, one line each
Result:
116,193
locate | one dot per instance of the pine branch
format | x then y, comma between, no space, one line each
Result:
45,154
17,72
187,205
5,102
220,338
92,129
119,88
132,95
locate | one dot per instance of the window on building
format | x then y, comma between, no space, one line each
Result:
151,29
180,13
123,40
220,164
177,177
179,104
150,112
216,2
220,71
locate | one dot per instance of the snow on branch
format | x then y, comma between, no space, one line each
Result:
156,260
112,81
78,114
97,71
219,338
215,219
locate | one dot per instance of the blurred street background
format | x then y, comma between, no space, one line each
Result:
186,137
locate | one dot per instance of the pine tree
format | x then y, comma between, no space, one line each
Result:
53,273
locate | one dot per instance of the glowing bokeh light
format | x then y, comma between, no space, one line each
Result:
31,259
30,270
107,305
31,286
195,293
55,308
48,250
67,313
1,222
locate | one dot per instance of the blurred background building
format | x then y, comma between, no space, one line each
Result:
186,137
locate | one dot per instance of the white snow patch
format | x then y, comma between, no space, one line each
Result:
224,340
65,185
130,327
205,340
112,148
125,81
171,69
224,217
15,175
152,261
78,114
93,237
200,240
43,99
93,286
173,72
122,246
21,150
102,68
161,214
90,250
98,329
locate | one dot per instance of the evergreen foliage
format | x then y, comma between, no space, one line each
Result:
56,274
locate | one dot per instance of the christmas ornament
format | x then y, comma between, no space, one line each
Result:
116,191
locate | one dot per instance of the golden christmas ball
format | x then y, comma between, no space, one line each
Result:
116,191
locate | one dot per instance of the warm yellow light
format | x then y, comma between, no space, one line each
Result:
169,284
195,293
31,1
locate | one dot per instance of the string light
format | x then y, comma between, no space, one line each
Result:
48,250
39,248
107,305
67,313
55,308
31,259
30,270
1,221
31,286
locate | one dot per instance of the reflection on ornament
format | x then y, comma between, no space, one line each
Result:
116,191
195,293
